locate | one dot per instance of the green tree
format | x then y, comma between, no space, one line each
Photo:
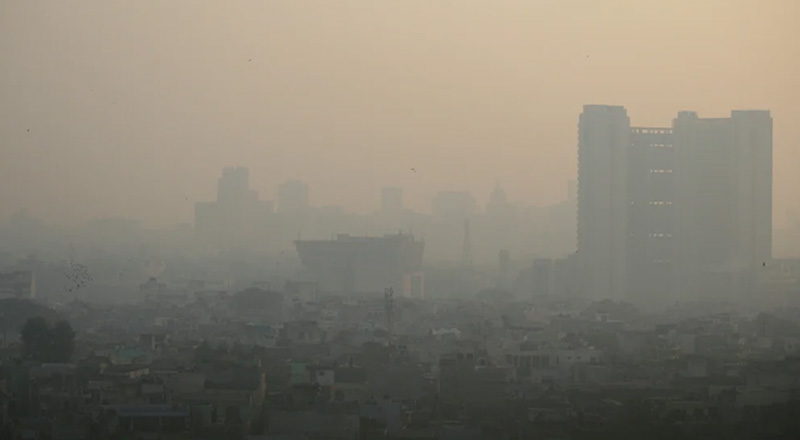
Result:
63,342
45,343
35,338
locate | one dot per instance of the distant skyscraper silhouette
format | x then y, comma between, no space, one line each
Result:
237,216
603,142
651,215
724,189
234,186
668,213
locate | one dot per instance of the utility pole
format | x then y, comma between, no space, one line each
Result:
388,297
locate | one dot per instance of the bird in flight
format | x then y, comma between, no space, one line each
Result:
414,170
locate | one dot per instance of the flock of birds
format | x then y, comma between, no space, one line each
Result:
78,276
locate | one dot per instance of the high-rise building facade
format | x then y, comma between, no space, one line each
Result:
603,143
724,218
234,186
651,214
673,213
238,215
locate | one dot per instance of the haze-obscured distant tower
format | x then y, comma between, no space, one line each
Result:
234,186
572,191
292,196
237,216
604,138
671,213
651,216
724,189
391,199
498,202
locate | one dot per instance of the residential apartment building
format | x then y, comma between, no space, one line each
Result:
673,213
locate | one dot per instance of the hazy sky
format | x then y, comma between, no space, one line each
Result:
134,107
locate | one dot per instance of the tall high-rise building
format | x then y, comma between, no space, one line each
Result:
724,185
498,205
673,213
651,214
391,199
572,191
603,143
234,186
237,216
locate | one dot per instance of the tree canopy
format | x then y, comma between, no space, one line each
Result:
45,343
15,311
